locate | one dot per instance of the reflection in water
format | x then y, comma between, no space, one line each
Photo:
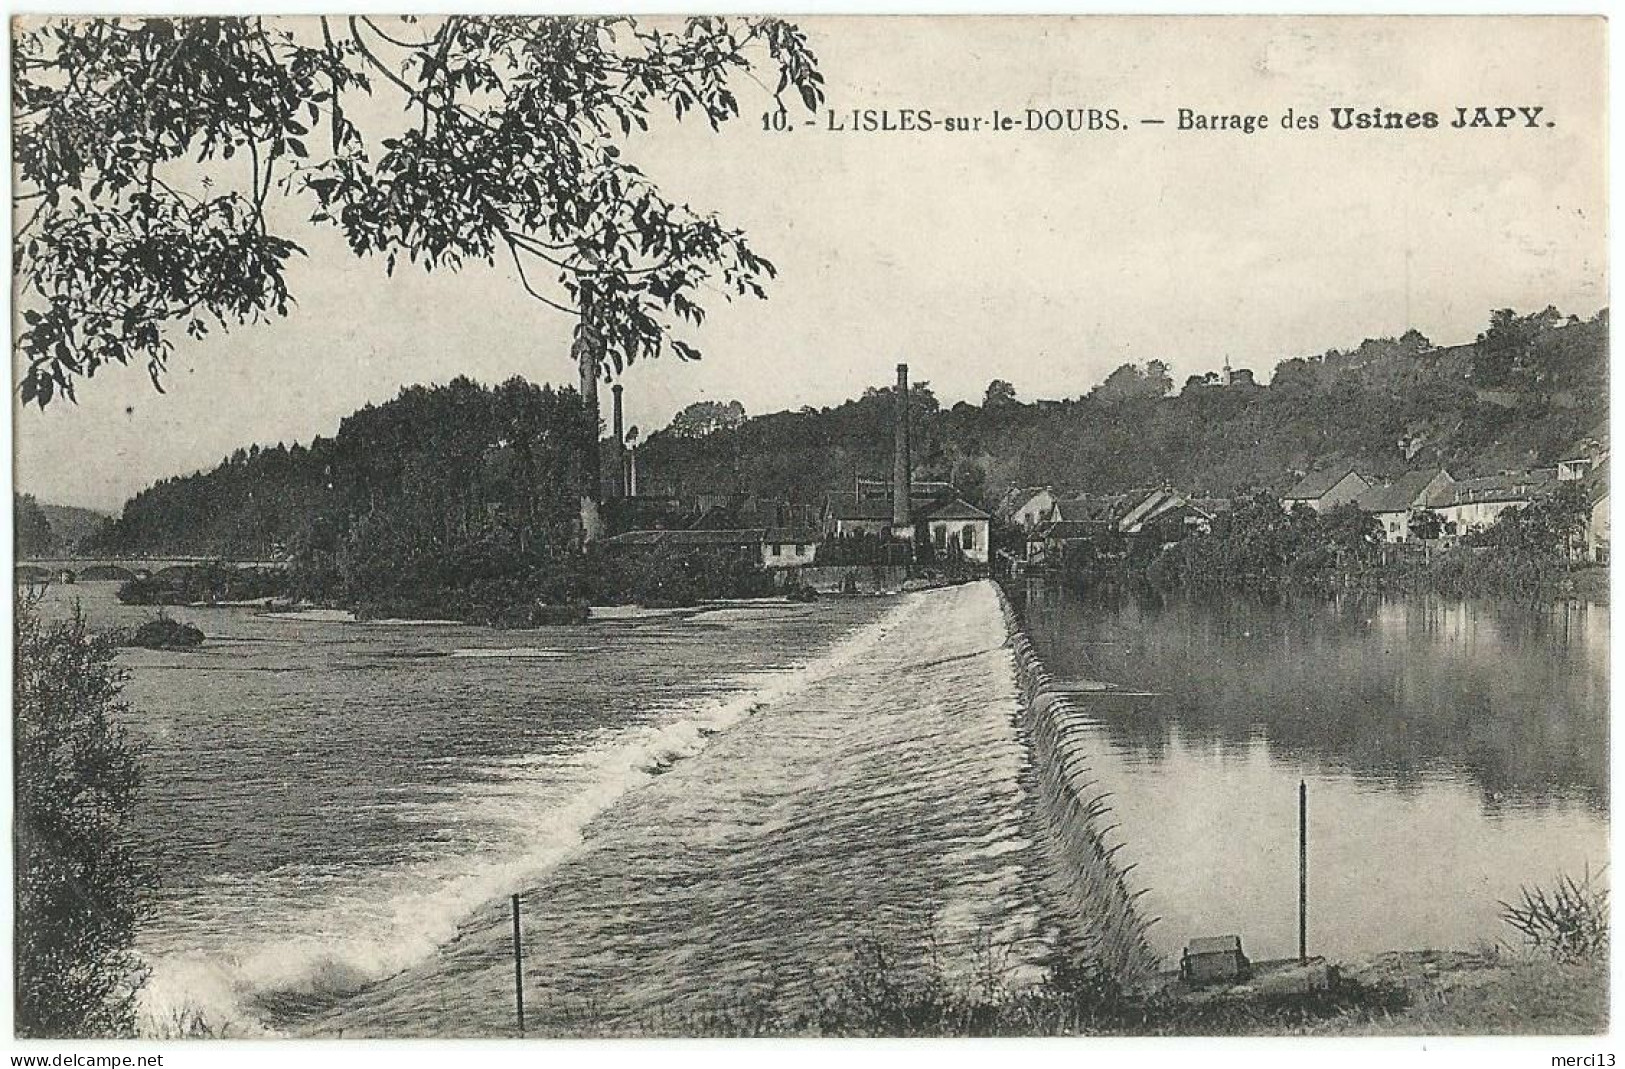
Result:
1453,750
1394,688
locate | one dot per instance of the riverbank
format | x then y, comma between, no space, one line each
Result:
1477,993
1587,584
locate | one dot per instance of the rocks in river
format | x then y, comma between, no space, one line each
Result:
164,633
526,616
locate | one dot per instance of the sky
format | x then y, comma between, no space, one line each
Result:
1045,259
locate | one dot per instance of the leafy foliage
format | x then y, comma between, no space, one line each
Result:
1130,382
1526,551
164,633
999,392
1520,350
81,888
706,417
1425,524
203,584
437,467
147,150
449,502
1570,921
31,528
1258,539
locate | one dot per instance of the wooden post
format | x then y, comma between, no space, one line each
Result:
518,971
1303,873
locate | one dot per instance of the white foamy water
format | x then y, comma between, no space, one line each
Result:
874,793
321,934
332,801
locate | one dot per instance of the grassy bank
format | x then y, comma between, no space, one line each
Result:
1485,993
1401,993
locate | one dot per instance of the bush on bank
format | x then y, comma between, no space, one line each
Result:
80,887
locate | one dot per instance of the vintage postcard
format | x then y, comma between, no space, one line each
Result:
809,526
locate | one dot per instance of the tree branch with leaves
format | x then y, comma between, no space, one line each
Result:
147,149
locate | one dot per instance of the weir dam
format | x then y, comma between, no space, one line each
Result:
910,789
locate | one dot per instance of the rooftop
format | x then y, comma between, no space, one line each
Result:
1317,484
1404,493
844,506
1507,486
739,537
955,509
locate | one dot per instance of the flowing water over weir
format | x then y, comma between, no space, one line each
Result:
708,813
1087,889
885,795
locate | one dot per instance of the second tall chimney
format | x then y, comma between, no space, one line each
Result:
902,472
620,446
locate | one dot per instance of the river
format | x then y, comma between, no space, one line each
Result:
1453,752
708,812
692,804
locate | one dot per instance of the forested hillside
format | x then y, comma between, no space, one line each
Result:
435,467
1517,396
44,530
467,465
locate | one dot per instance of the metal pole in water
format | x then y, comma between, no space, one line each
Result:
518,970
1303,873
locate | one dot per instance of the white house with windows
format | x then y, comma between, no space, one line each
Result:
1394,503
1473,504
958,524
1036,507
788,548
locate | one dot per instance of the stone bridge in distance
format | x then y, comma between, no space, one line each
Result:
74,569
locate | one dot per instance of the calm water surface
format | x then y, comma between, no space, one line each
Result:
1453,752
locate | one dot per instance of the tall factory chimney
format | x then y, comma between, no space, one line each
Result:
902,472
620,446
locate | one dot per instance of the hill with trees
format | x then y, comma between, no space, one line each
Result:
465,465
436,468
1517,396
43,530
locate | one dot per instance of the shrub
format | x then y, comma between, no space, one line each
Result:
80,887
1570,921
191,584
163,633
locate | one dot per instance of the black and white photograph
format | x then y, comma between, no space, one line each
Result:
808,526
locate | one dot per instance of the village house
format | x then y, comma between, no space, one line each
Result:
1161,516
848,516
1592,543
948,521
788,547
1032,506
1474,504
1393,504
957,524
1074,520
1326,489
775,547
1026,506
1584,455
